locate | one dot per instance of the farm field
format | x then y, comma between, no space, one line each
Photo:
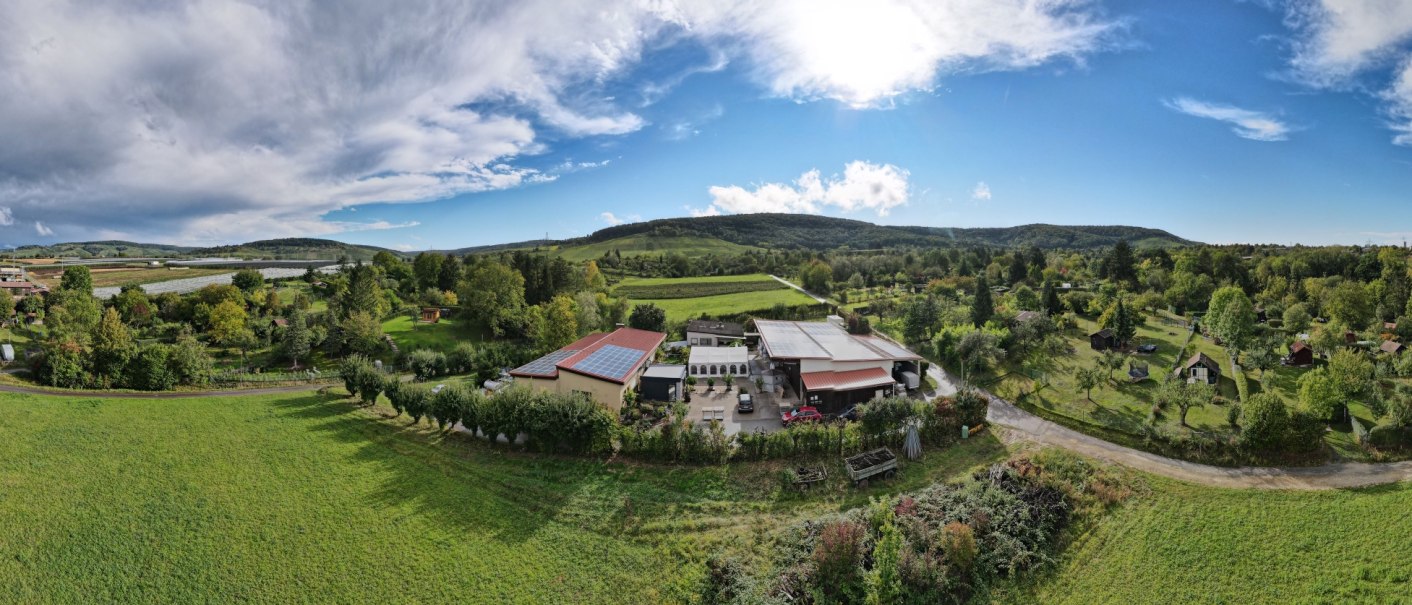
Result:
1187,544
639,245
303,497
116,278
687,298
181,283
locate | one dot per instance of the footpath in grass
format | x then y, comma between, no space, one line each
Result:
297,498
1187,544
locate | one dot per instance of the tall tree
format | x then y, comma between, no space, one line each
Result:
648,317
449,278
1119,265
1124,323
427,269
248,280
1231,317
113,348
296,341
77,279
495,295
1050,299
982,306
364,293
561,324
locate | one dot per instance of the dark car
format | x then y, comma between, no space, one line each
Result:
850,414
744,404
806,413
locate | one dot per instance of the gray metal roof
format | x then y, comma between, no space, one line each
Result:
665,371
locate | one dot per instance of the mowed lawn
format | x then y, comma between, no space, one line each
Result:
1187,544
410,334
681,306
304,498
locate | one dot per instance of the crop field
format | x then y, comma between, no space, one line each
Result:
182,283
302,497
745,297
118,277
1187,544
639,245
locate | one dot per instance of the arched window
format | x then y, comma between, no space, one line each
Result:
734,370
695,370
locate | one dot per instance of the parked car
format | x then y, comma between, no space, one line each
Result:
850,414
744,404
806,413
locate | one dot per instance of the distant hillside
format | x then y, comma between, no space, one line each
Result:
102,249
647,243
822,232
295,248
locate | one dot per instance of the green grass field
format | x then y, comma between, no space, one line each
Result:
442,336
1186,544
639,245
680,309
303,498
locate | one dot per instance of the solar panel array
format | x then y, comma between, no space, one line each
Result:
787,341
610,361
545,366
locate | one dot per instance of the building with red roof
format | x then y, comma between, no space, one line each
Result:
830,368
602,365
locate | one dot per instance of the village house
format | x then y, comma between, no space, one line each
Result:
710,333
602,366
1200,368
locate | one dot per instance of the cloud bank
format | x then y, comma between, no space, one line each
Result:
217,120
863,186
1246,124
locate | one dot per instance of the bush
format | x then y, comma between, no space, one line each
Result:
426,363
461,359
149,371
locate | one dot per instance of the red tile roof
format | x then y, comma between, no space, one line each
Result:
846,381
629,338
1298,346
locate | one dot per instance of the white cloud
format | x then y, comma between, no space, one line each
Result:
1247,124
221,120
1340,41
613,219
981,193
863,186
404,247
865,53
42,230
7,217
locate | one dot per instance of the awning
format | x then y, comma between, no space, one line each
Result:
850,380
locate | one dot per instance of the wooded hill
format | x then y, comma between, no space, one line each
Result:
285,249
822,233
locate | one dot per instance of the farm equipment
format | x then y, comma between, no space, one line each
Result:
867,465
806,476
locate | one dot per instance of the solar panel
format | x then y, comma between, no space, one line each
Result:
545,366
610,361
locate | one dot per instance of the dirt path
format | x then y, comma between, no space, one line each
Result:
818,299
298,388
1329,476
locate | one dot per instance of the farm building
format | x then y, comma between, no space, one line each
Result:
1299,355
830,368
1103,340
22,288
708,333
662,383
706,362
1200,368
602,365
1392,347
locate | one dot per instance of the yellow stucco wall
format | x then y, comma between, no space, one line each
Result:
608,394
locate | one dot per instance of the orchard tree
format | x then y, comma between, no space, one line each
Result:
1319,394
113,348
1265,422
1110,360
561,324
815,277
1087,379
361,334
189,361
1296,318
151,369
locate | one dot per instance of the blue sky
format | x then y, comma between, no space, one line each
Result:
1219,121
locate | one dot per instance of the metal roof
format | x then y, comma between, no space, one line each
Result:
609,356
846,381
718,355
823,340
665,371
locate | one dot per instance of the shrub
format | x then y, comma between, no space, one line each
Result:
461,359
426,363
149,369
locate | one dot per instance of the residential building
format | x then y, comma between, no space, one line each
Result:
710,333
603,365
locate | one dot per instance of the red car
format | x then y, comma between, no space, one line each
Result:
806,413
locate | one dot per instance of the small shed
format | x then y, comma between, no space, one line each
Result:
1200,368
431,315
1350,337
662,383
1024,316
1299,354
1260,315
1103,340
279,322
1392,347
7,353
